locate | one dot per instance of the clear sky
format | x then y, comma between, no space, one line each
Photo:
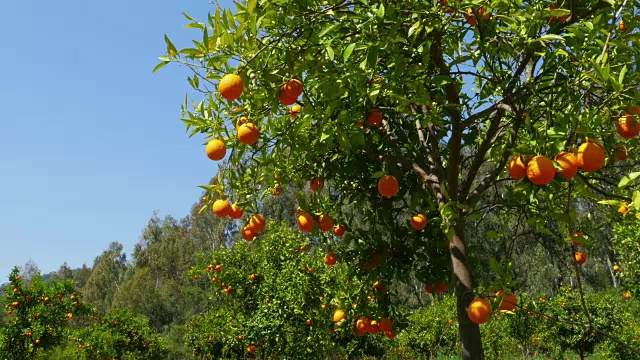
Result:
91,142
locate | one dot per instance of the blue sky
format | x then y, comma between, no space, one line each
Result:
91,142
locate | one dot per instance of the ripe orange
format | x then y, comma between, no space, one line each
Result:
580,257
317,183
623,26
621,153
626,295
374,118
575,237
419,221
428,288
363,325
330,259
218,268
509,301
590,157
540,170
339,230
248,233
635,109
251,349
286,100
295,109
338,315
569,164
241,121
378,286
236,212
470,17
325,223
230,86
221,207
388,186
390,335
628,126
308,322
305,222
441,288
616,268
386,324
479,311
517,167
216,149
248,134
374,328
623,209
292,88
257,223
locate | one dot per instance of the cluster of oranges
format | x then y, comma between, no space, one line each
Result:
365,324
480,308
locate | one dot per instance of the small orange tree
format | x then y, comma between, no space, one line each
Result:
38,315
411,107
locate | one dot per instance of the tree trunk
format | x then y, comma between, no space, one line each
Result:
469,331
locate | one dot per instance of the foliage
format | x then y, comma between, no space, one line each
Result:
38,315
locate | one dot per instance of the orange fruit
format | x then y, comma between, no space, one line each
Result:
251,349
248,233
221,207
374,328
386,324
363,325
248,134
338,315
569,164
308,322
330,259
339,230
635,109
623,26
292,88
295,109
623,209
517,168
580,257
257,223
540,170
621,153
374,118
428,288
286,100
305,222
325,223
388,186
509,301
470,17
378,286
616,268
575,237
236,212
216,149
241,121
277,190
390,335
479,311
590,157
230,86
626,295
419,221
441,288
628,126
317,183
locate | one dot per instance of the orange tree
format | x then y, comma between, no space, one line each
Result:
412,108
38,315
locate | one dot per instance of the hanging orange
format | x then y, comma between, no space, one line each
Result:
292,88
374,118
216,149
286,100
419,221
330,259
221,207
479,311
230,86
590,157
248,134
305,222
339,230
509,301
621,153
317,183
388,186
295,109
517,167
540,170
580,257
628,126
236,212
248,233
569,164
325,223
257,223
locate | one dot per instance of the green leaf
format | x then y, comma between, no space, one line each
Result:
550,37
610,202
378,174
171,49
251,6
330,52
372,57
160,66
327,29
625,181
492,235
623,72
348,51
380,12
495,266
